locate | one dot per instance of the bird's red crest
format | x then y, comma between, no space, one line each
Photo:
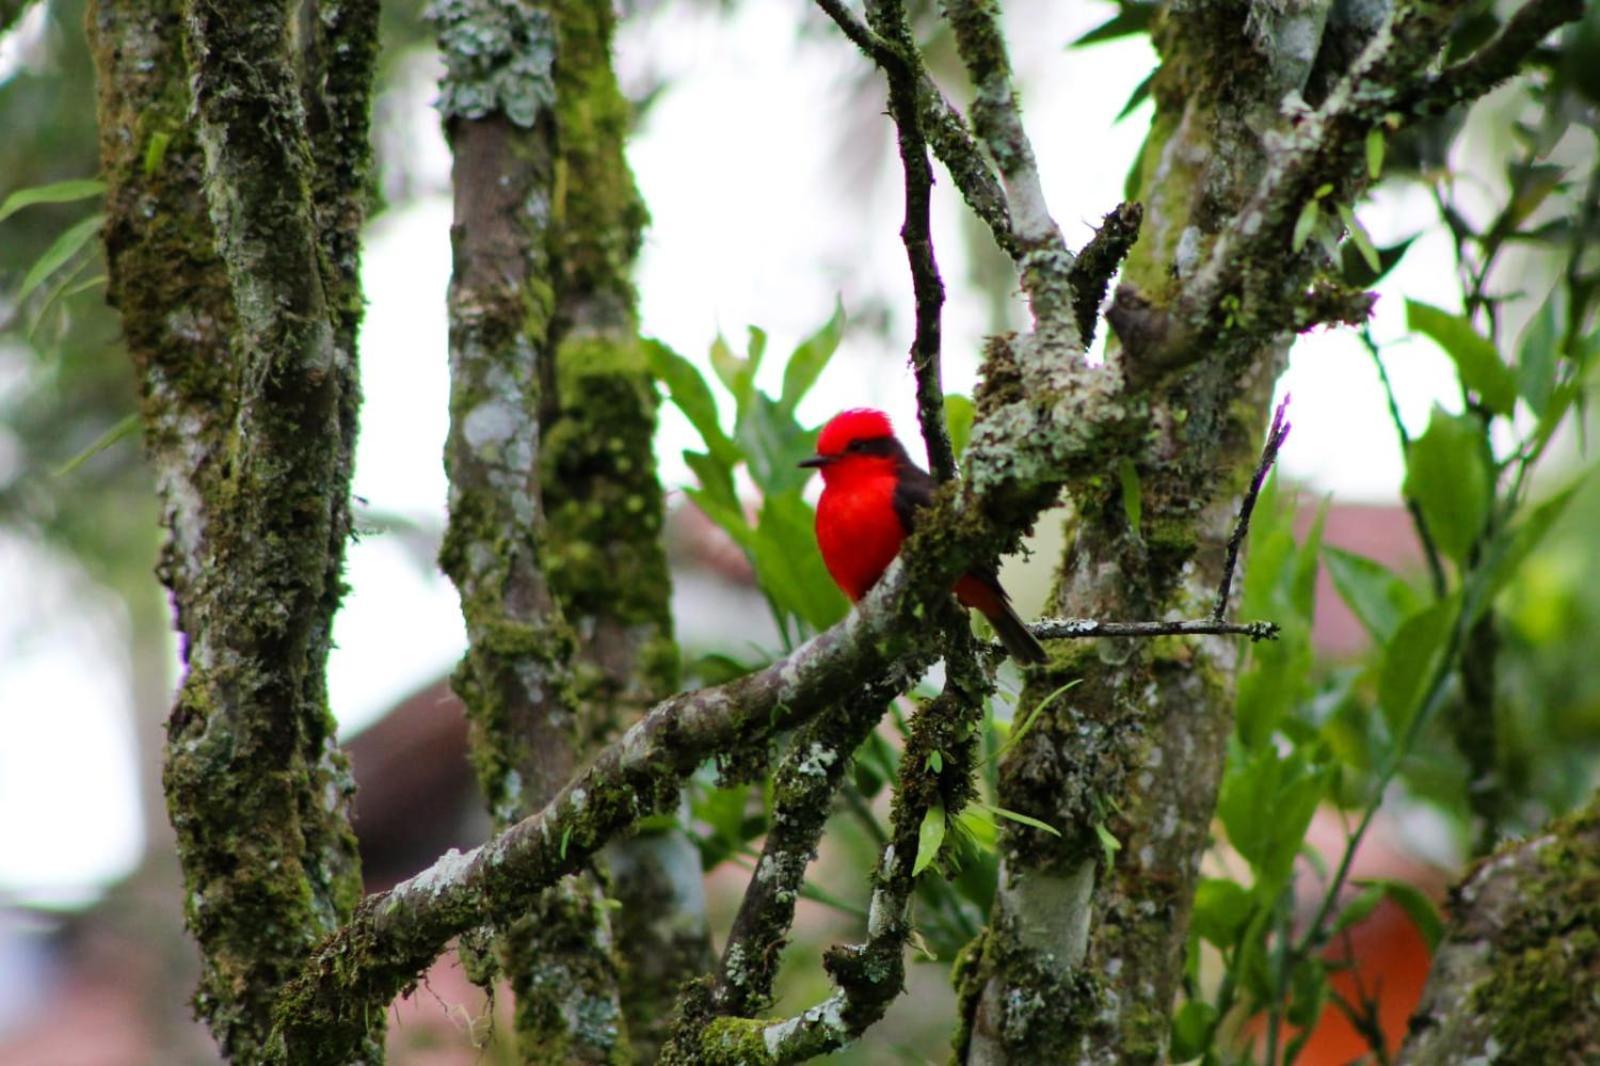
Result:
858,423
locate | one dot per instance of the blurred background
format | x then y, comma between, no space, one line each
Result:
768,166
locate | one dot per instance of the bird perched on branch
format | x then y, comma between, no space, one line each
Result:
871,493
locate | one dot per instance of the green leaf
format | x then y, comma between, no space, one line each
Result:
935,761
692,396
1033,716
1192,1029
1131,18
1375,146
807,361
1360,238
124,427
1418,907
1475,357
1353,263
1410,661
1140,94
1132,501
64,248
716,480
978,824
1448,474
958,412
1308,994
736,373
61,192
930,838
788,565
773,444
1304,224
1525,536
1221,909
1378,598
1357,910
1022,819
155,153
1536,358
1109,844
1266,803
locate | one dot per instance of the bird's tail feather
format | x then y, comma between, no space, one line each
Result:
1013,633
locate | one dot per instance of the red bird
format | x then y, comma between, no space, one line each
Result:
871,492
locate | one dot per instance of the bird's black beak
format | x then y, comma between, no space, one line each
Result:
816,462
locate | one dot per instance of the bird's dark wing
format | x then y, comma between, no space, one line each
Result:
913,491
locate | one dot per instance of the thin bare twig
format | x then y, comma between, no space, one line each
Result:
1269,454
888,20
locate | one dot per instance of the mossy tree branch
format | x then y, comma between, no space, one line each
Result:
1515,975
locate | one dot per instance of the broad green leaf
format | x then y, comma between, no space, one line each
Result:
1132,497
716,480
1192,1027
60,192
1525,536
978,824
773,444
1410,661
807,361
1378,598
1280,584
958,412
930,838
788,564
1536,358
1304,224
729,519
692,396
1447,473
736,373
1221,909
1475,357
64,248
1266,804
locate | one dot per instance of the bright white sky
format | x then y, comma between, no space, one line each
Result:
756,221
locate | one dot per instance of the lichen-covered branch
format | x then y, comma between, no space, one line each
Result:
1495,61
868,976
1514,978
804,787
1041,253
1099,260
248,399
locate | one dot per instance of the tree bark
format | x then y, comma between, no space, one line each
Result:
241,324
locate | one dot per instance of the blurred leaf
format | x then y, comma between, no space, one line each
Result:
1536,358
1029,821
1357,910
1192,1027
807,361
1280,584
1525,536
1410,661
64,248
1221,909
716,480
1375,595
1418,907
127,427
1447,473
1353,263
788,564
692,396
1360,238
1266,805
1375,145
1308,994
978,824
773,444
728,519
1533,182
1109,844
1304,224
1475,357
60,192
1132,17
1140,94
930,838
736,373
1132,497
958,412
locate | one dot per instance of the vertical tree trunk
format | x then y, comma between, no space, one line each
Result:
232,259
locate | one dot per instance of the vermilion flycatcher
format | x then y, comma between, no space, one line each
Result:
871,492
